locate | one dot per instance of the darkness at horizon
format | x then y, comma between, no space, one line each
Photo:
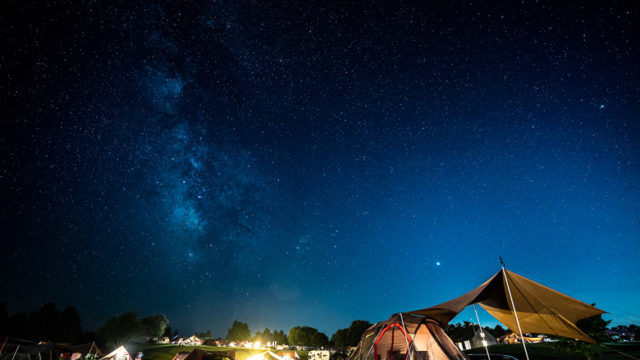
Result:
290,163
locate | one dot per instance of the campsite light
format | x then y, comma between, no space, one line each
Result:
256,345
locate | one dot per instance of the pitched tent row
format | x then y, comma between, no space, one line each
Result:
418,335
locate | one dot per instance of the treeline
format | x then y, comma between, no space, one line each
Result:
49,323
65,325
129,327
46,323
299,335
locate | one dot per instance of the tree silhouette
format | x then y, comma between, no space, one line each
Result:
239,331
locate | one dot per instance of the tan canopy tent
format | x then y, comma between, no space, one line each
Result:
539,308
406,337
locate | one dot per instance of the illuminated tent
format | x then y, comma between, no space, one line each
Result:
482,338
283,355
539,308
406,337
118,354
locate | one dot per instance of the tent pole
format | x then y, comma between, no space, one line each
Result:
405,338
515,313
3,344
373,345
14,354
484,342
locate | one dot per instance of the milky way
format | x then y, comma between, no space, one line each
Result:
270,161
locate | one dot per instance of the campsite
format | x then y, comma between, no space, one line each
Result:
320,180
524,306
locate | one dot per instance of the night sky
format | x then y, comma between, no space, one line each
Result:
290,163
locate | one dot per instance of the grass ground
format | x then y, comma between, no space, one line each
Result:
608,351
166,352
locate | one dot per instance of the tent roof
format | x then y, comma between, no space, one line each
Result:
119,351
539,308
88,348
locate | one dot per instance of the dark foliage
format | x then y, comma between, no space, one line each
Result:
204,335
129,327
239,331
595,327
46,324
465,331
266,336
351,335
307,336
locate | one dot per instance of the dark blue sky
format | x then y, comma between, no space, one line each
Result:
293,163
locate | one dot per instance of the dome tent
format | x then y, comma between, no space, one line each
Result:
406,337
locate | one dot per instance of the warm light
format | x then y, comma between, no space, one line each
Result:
256,345
256,357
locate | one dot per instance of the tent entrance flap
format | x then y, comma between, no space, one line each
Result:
392,343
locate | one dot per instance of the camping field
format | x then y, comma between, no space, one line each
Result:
166,352
608,351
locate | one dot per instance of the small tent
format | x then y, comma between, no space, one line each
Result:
281,355
539,308
163,340
482,338
406,337
118,354
88,351
193,340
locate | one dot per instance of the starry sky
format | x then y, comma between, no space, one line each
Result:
290,163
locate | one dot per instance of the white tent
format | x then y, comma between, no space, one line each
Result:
118,354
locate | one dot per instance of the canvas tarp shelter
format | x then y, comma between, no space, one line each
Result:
30,351
539,308
406,337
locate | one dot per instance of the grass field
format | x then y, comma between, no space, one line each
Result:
166,352
610,351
